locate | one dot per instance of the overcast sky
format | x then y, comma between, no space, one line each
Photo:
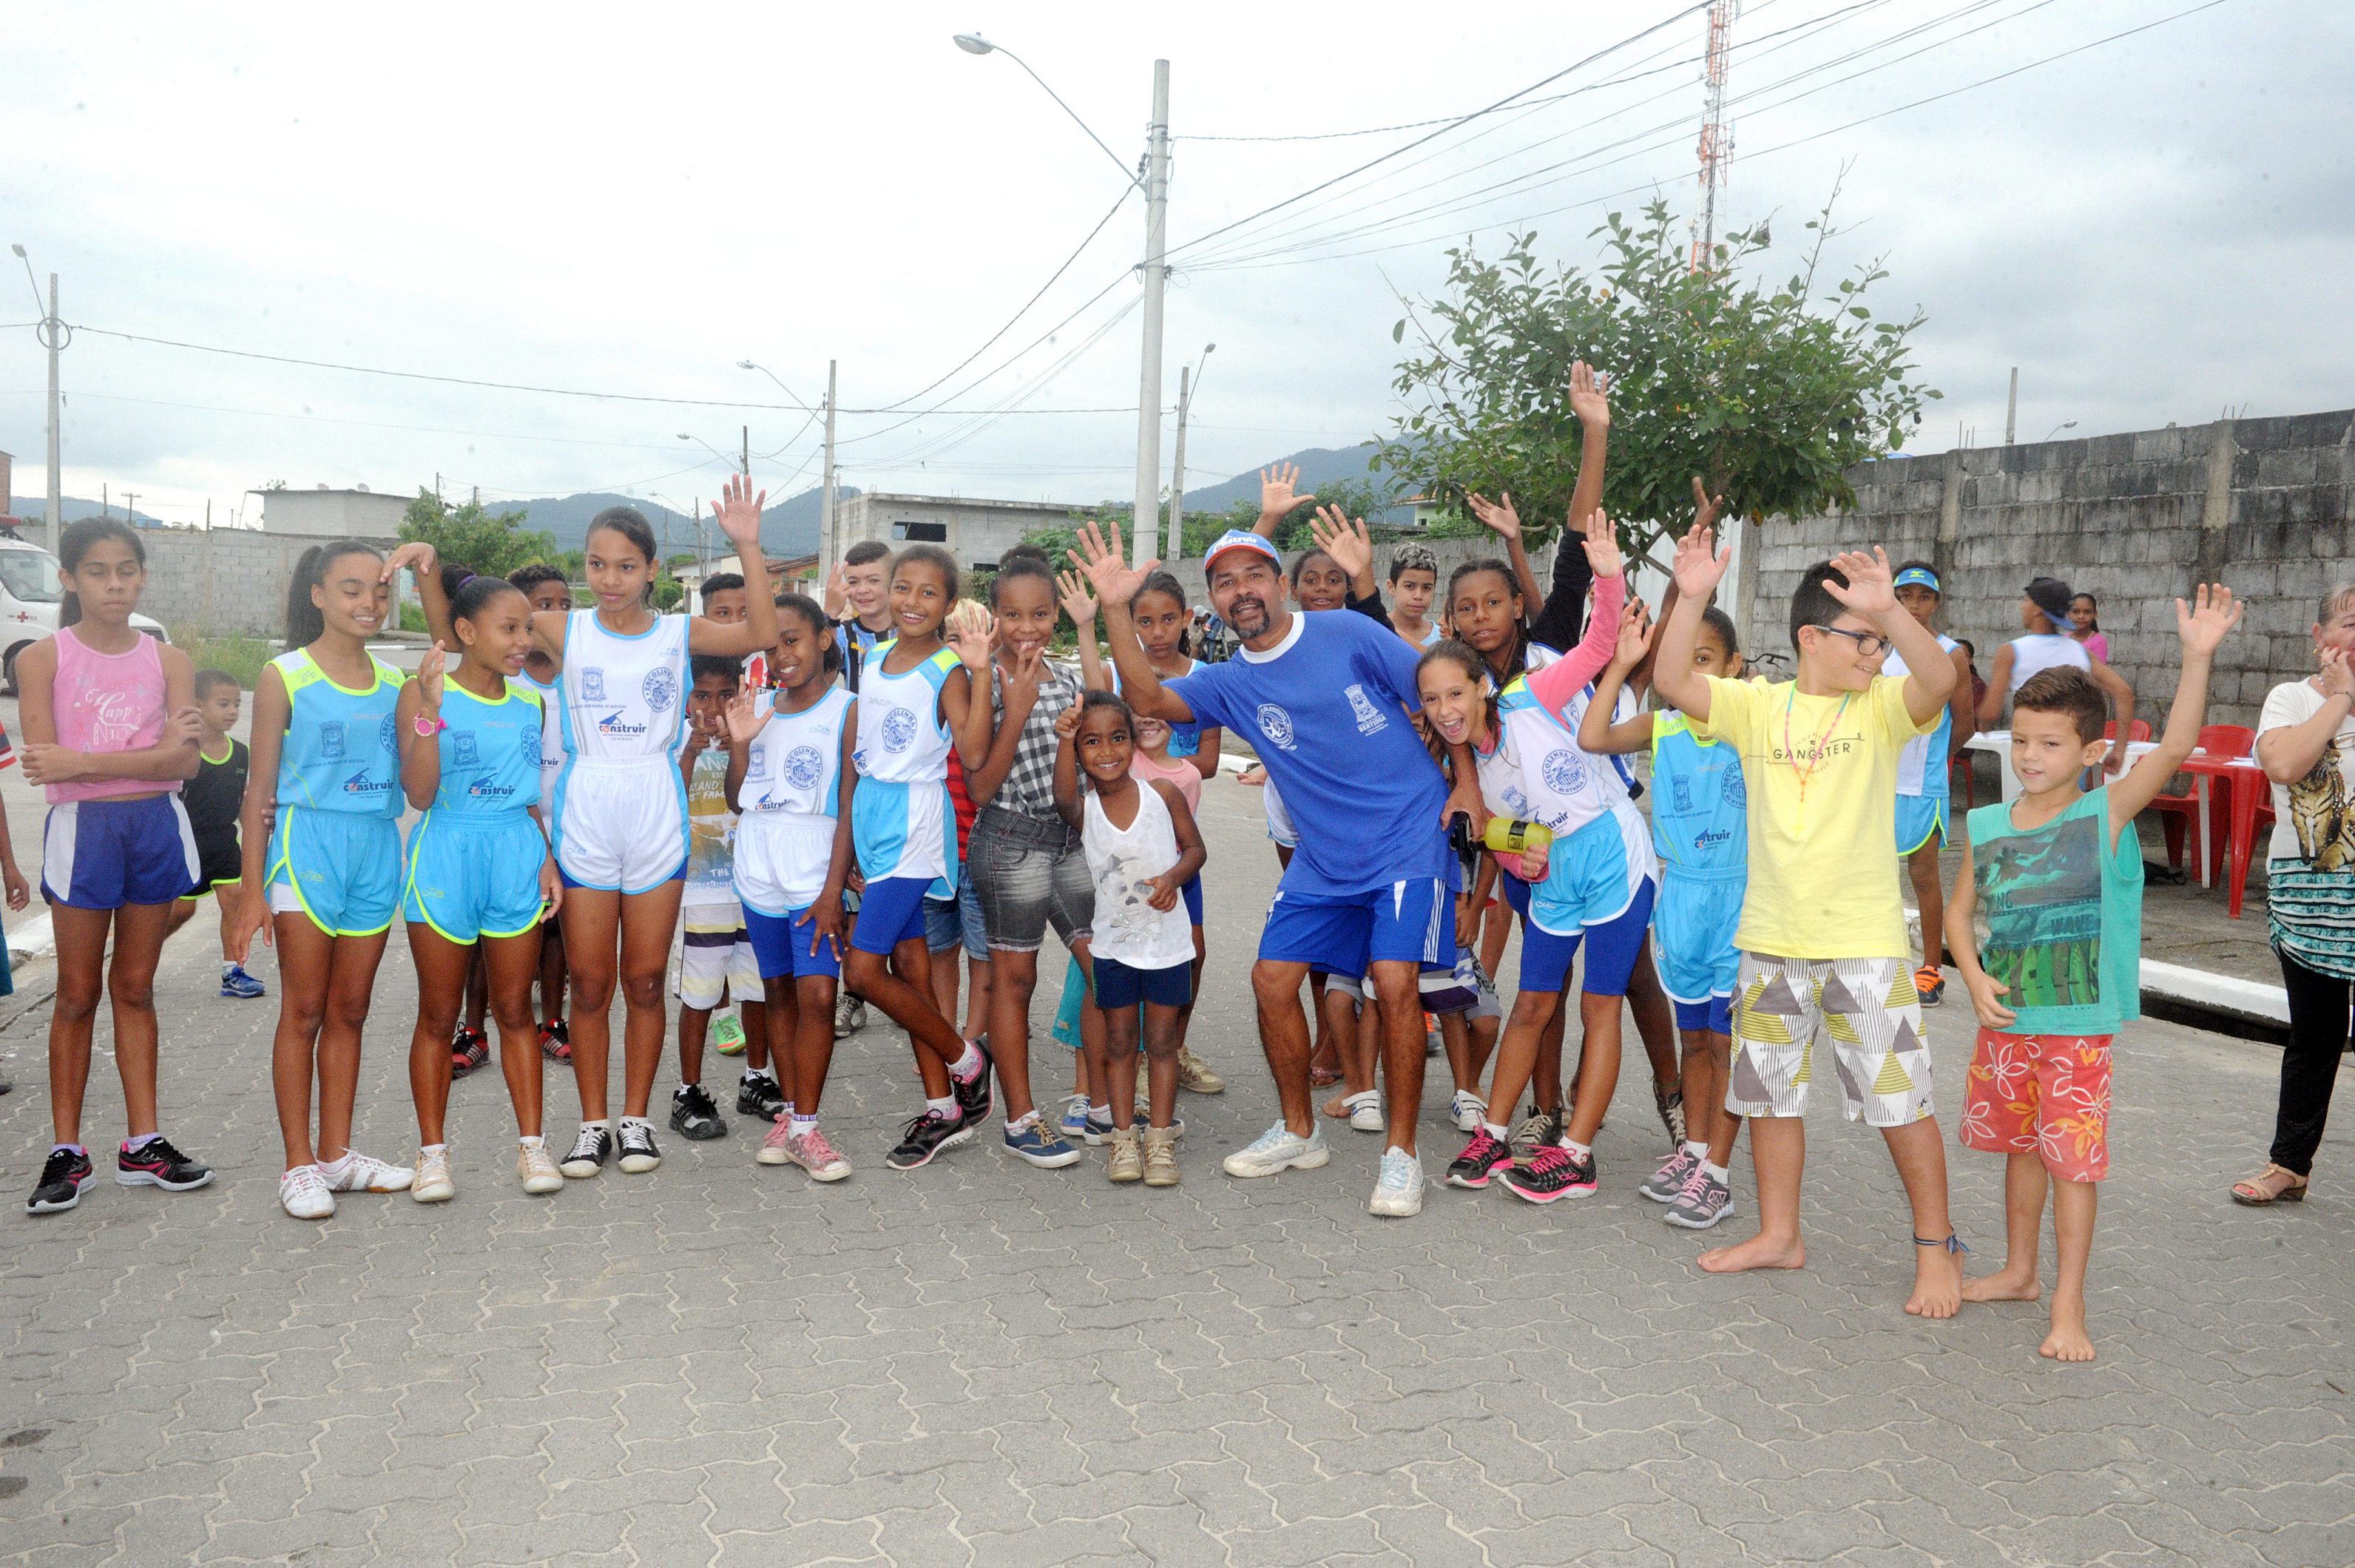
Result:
635,198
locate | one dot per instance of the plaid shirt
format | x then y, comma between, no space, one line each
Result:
1028,789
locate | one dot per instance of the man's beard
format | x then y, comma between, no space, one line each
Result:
1248,615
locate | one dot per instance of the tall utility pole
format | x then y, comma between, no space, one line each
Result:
1176,546
828,552
1716,146
744,459
1148,397
2011,407
130,502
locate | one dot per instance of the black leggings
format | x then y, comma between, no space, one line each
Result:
2318,1036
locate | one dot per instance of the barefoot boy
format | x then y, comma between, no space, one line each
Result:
1823,932
2059,872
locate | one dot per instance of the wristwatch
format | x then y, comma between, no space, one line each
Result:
430,727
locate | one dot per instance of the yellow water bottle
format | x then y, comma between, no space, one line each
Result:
1514,837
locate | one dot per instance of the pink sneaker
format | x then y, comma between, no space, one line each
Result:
814,1155
777,1147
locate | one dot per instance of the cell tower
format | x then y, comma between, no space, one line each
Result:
1716,146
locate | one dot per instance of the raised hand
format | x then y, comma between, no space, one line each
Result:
970,629
1706,507
1590,397
1603,546
1098,560
745,719
416,555
1498,516
1023,678
1871,591
1279,491
1699,565
1343,538
1067,722
739,514
1077,601
837,592
1635,637
2211,618
429,671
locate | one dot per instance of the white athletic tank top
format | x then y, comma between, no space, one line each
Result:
2042,651
1538,774
551,736
790,801
903,821
1127,929
623,695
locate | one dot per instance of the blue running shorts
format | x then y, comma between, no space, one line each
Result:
781,946
1920,820
104,854
341,869
1411,921
472,876
889,913
1692,935
1612,948
1118,985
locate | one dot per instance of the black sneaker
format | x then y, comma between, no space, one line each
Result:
1555,1173
925,1136
639,1154
590,1152
158,1164
62,1179
692,1115
468,1051
760,1096
974,1098
1479,1162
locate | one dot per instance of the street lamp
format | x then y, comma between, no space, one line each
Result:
2057,429
1156,172
54,337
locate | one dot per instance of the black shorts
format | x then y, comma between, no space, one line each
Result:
219,860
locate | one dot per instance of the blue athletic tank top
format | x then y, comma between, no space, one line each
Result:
340,753
1922,765
490,753
1701,818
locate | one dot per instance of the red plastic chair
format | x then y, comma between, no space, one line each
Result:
2223,741
2137,730
1958,775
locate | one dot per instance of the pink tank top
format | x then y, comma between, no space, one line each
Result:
108,702
1184,774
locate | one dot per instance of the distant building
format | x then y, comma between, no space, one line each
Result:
323,513
975,531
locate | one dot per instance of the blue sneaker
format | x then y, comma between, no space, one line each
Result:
1074,1124
1039,1144
1099,1128
235,982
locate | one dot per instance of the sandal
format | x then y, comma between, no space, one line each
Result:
2272,1185
1323,1077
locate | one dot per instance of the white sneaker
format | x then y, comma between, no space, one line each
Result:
304,1194
1366,1111
537,1167
1469,1111
1398,1191
1279,1149
431,1183
366,1173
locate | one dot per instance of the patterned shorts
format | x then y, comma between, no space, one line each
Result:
1867,1006
2045,1094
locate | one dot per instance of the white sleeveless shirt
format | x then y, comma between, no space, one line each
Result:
2040,651
789,803
1126,928
623,696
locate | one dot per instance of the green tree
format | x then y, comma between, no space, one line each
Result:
491,544
1768,393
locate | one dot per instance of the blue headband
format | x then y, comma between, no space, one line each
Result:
1919,577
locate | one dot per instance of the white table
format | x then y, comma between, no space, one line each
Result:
1997,744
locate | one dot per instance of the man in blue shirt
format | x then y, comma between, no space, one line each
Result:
1327,698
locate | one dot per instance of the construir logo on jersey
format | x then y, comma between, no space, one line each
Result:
1275,724
660,688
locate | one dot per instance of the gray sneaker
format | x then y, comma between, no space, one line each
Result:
1666,1184
1703,1202
1279,1149
1398,1191
1534,1131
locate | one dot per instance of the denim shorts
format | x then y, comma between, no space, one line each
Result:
1030,874
947,920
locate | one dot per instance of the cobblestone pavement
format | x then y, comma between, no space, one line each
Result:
984,1362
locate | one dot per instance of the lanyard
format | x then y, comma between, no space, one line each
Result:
1816,747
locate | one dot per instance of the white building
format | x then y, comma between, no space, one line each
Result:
322,513
975,531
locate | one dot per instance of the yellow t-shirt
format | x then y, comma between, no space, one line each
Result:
1821,776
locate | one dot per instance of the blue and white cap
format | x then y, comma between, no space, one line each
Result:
1919,577
1240,539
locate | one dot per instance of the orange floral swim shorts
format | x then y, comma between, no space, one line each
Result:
2046,1095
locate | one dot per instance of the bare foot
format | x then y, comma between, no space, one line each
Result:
1338,1106
2002,1286
1759,1251
2068,1341
1937,1283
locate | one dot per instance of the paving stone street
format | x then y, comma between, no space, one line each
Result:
983,1363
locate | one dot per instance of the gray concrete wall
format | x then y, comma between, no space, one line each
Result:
222,582
2262,506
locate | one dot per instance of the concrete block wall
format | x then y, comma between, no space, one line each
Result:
222,582
2135,520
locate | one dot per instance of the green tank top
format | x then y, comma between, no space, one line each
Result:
2063,912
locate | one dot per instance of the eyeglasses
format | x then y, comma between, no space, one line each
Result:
1867,644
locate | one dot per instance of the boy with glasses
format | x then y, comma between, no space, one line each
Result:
1822,934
